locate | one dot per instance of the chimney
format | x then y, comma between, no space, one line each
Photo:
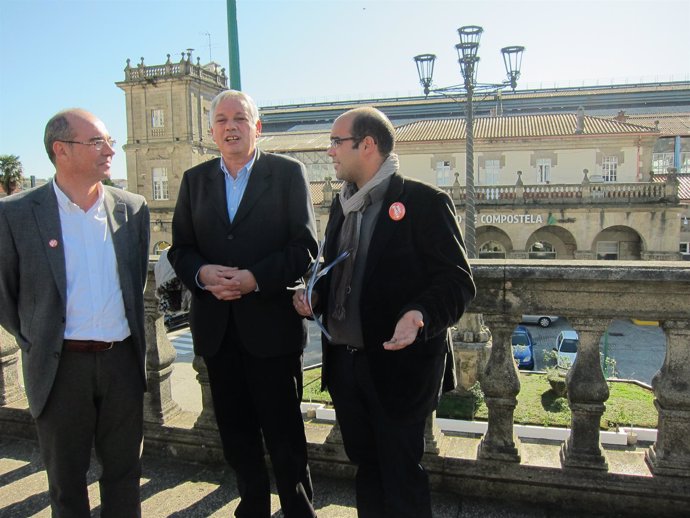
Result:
580,128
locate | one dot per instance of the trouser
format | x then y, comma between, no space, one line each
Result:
255,399
97,399
390,480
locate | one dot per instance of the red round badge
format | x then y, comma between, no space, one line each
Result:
396,211
53,243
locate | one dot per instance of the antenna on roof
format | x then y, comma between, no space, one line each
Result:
210,59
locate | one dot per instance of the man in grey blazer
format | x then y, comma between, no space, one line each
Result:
72,274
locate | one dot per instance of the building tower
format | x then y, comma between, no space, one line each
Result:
168,131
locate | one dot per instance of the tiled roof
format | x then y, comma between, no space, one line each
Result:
517,126
295,141
669,123
683,184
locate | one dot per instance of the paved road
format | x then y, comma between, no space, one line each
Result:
182,341
638,350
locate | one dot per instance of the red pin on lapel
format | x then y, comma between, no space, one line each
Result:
53,243
396,211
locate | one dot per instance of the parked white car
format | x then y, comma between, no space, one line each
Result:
566,348
541,320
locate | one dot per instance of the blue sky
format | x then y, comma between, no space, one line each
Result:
60,54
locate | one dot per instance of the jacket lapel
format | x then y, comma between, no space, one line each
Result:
216,186
259,181
116,212
47,216
383,230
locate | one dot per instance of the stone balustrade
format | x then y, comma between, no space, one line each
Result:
589,293
565,194
152,73
554,194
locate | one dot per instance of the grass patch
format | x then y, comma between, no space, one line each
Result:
628,404
312,388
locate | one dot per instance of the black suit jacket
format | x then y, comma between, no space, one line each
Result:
272,235
418,262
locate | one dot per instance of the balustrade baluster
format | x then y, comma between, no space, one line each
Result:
10,388
671,453
159,405
587,392
207,418
501,386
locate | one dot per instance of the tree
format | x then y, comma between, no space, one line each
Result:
11,173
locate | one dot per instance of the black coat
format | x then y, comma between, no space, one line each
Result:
417,262
272,235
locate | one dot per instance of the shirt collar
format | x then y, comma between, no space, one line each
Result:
68,205
247,167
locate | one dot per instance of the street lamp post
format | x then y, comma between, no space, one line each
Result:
468,61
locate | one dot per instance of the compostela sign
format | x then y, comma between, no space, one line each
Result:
510,219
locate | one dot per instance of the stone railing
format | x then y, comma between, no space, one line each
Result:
579,472
557,194
152,73
639,192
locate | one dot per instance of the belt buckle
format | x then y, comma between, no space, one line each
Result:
110,346
352,350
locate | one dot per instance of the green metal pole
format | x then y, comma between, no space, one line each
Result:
233,46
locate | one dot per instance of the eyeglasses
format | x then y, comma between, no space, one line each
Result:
97,143
336,141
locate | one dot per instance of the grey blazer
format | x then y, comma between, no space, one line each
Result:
33,282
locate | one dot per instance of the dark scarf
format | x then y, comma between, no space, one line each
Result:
353,203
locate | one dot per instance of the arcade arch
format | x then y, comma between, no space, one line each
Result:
551,242
618,243
494,243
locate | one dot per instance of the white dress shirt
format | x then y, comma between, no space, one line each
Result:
95,308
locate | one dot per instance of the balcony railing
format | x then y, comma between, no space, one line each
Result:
185,67
322,193
577,471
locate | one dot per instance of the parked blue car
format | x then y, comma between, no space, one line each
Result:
523,348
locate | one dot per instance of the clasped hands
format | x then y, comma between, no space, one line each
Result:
406,329
226,282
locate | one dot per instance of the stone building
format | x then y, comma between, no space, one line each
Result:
168,130
552,180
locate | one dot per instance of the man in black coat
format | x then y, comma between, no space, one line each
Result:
387,309
243,235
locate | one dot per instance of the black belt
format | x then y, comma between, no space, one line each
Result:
349,348
86,346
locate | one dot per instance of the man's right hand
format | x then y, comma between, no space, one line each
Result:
218,280
299,300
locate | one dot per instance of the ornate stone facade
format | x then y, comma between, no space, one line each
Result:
168,130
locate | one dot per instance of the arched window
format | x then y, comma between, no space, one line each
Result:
542,250
492,250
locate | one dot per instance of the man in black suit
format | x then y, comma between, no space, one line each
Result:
387,307
243,235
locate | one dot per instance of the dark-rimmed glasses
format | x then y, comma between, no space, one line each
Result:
336,141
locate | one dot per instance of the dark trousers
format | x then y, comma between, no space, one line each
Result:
390,480
255,399
97,399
